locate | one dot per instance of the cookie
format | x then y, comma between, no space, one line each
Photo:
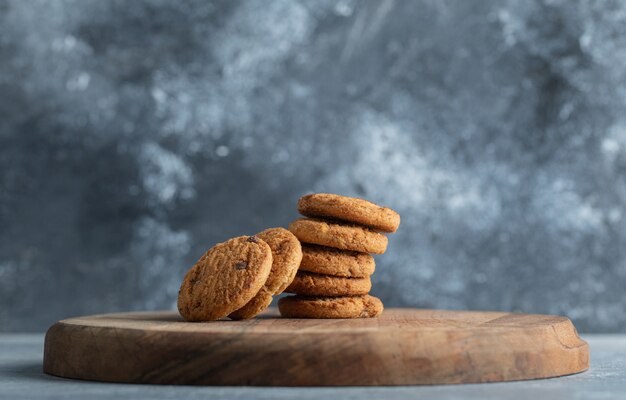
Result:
349,209
330,307
225,278
252,308
309,284
339,235
286,257
329,261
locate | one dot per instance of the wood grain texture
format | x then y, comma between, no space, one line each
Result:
401,347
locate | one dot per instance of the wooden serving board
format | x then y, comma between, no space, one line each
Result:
401,347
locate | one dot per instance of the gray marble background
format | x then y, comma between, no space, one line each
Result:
136,134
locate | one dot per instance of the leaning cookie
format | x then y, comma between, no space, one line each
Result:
309,284
330,307
225,278
350,209
329,261
286,255
339,235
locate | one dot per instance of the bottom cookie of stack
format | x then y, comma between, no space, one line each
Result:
364,306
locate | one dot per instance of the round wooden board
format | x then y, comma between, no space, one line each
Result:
401,347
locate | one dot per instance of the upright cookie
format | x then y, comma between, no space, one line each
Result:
330,307
286,257
224,279
329,261
349,209
309,284
339,235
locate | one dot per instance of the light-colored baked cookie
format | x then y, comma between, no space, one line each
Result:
350,209
286,255
225,278
309,284
330,307
339,235
329,261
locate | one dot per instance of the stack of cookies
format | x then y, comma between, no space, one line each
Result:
333,280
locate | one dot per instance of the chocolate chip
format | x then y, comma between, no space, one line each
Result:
241,265
253,239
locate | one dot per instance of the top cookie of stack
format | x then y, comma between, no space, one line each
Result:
349,209
334,276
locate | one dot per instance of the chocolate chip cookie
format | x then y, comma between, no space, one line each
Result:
339,235
330,307
225,278
286,257
350,209
310,284
329,261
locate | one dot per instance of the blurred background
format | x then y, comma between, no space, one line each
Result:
134,135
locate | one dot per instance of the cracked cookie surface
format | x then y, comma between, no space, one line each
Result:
350,209
286,257
225,278
310,284
329,261
330,307
339,235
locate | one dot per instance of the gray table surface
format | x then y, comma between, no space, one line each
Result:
21,377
